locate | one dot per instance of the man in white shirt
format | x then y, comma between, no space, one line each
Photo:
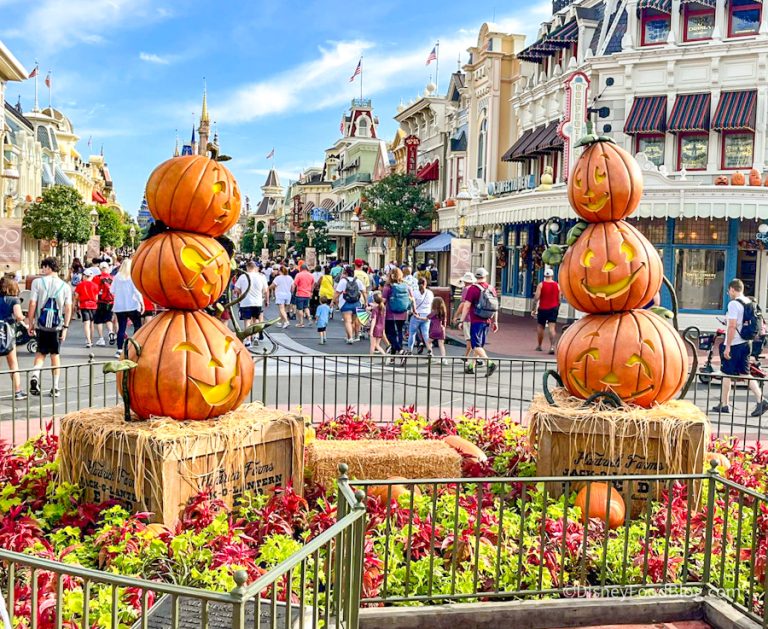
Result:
734,352
256,298
418,327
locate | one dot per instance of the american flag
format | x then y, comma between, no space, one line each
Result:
358,70
341,125
271,154
33,74
432,55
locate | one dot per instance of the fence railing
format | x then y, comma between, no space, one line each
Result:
468,540
318,586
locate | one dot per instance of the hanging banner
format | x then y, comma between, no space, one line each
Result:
265,255
411,152
10,244
461,259
310,258
94,247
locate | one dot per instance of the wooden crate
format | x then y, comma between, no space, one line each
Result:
159,464
590,444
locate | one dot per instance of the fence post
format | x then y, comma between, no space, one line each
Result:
264,382
238,600
429,385
357,558
711,494
342,509
90,380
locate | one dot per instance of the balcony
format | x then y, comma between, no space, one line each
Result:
343,182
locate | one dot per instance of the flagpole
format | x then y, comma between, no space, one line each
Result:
361,77
37,71
50,81
437,67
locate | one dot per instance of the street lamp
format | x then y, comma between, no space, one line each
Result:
311,233
94,214
264,239
287,238
463,199
355,228
132,234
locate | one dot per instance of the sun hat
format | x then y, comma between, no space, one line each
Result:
468,278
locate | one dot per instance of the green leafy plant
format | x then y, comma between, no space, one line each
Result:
60,215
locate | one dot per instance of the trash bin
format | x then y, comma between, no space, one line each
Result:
445,293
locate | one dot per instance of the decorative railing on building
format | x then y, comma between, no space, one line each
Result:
355,178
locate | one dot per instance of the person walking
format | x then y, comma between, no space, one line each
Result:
323,315
410,280
303,284
467,280
481,307
10,316
349,296
438,321
361,273
546,305
735,350
48,317
254,286
418,325
282,287
378,321
85,296
74,278
104,302
398,299
128,303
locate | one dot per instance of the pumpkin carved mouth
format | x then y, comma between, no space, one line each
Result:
607,291
219,393
597,204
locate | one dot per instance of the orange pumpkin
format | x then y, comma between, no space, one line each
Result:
737,179
181,270
194,193
606,183
380,492
450,202
754,177
720,459
466,448
611,267
598,501
636,355
191,367
721,180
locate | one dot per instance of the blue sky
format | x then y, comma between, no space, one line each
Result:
130,72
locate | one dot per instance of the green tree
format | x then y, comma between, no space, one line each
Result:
128,222
246,240
110,229
60,215
320,241
398,205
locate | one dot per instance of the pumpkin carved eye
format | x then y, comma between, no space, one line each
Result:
599,177
186,346
628,251
586,258
636,359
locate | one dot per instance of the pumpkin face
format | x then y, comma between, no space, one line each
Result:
737,179
611,267
636,355
721,180
598,501
191,367
181,270
606,183
194,193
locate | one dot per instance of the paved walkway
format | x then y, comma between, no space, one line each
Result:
685,624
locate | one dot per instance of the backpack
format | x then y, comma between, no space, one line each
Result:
105,295
488,304
49,318
399,299
7,338
352,291
752,322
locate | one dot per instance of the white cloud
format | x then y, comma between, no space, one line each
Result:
151,57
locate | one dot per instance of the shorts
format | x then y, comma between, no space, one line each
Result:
321,329
478,334
250,312
738,363
103,313
302,303
465,328
87,313
48,342
282,301
349,307
548,315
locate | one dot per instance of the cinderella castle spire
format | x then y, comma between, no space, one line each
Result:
204,129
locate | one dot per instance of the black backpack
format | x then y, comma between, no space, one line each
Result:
752,322
352,291
488,304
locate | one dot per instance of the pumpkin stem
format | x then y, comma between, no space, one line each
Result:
608,396
551,373
592,137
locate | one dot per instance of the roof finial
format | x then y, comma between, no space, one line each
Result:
204,114
176,151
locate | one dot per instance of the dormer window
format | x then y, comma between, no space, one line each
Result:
743,17
363,127
655,25
699,21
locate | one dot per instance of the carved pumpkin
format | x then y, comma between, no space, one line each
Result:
737,179
598,501
194,193
181,270
611,267
720,459
754,178
606,183
636,355
466,448
191,367
721,180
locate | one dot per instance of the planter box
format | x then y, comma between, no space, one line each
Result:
157,465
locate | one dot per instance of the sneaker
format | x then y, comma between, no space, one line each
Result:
118,354
720,408
247,343
112,338
100,342
469,369
759,409
285,325
350,341
20,395
491,369
88,345
34,386
54,392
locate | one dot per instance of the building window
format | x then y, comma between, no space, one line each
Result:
362,127
692,151
655,25
481,148
699,278
459,174
743,17
652,146
699,22
654,230
700,231
737,149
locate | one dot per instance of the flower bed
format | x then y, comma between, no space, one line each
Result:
471,540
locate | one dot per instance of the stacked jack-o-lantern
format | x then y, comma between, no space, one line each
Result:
613,273
188,364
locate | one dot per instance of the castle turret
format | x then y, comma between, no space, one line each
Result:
204,130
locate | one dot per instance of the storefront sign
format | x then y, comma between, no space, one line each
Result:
10,244
574,126
411,152
461,259
526,182
94,247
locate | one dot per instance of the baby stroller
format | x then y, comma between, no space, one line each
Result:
23,337
364,318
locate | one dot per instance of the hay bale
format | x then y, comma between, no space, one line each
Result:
158,464
599,440
379,460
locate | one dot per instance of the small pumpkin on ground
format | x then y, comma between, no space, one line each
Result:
599,499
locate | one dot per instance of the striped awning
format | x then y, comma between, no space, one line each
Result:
47,176
513,152
736,110
648,115
665,6
690,113
525,151
548,141
707,3
566,34
61,178
562,37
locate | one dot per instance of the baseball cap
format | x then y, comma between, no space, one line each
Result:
468,278
548,273
358,262
104,265
481,272
91,271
